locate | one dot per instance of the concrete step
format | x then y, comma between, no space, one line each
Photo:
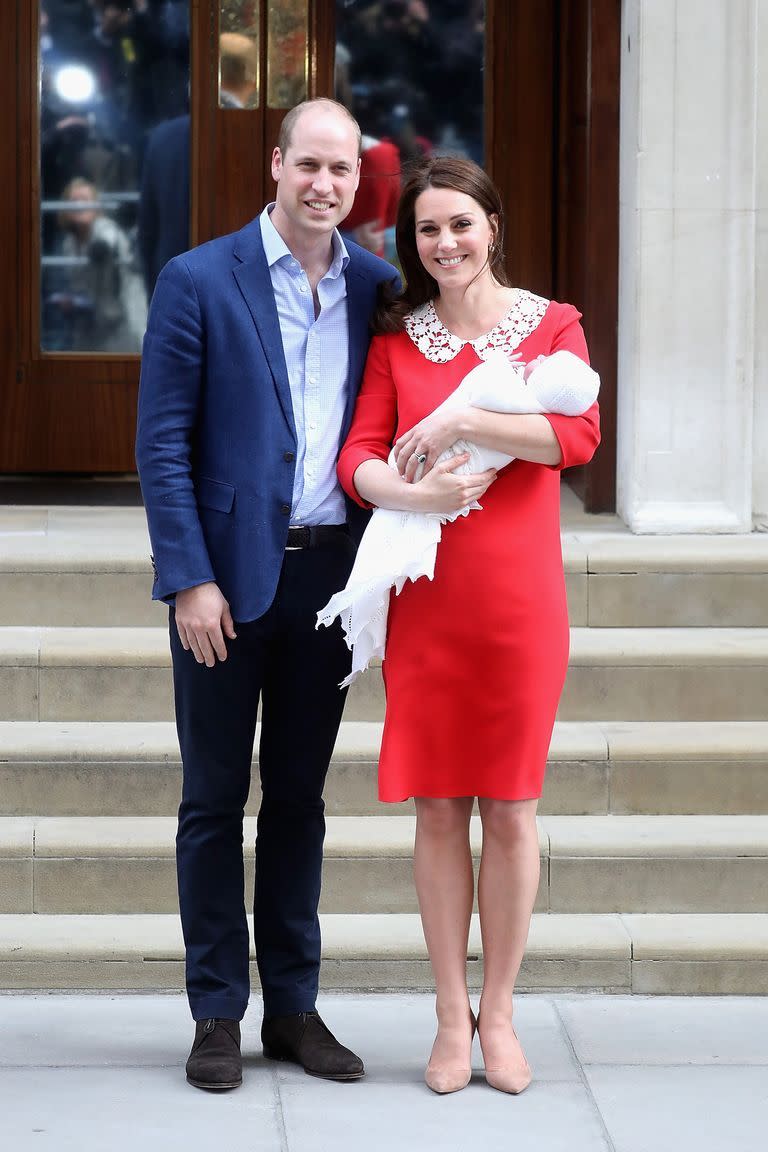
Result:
661,954
667,674
76,566
90,566
105,865
675,581
92,768
699,864
57,674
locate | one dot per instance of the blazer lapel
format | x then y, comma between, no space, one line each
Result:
358,321
254,281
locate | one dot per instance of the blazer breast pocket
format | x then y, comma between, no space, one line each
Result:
216,494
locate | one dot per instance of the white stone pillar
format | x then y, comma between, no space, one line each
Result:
687,265
760,455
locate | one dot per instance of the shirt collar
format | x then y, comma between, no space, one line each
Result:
276,249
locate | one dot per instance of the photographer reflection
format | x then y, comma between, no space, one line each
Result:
93,298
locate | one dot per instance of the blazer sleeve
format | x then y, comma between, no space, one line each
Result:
372,431
169,397
578,436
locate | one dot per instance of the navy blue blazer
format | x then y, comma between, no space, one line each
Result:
216,440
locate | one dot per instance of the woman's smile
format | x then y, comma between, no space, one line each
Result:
452,230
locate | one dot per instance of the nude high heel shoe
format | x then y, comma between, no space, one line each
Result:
443,1080
511,1078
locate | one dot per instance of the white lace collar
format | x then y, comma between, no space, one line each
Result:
434,341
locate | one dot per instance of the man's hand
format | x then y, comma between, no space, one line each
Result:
203,619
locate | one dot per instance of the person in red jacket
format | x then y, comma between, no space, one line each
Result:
375,207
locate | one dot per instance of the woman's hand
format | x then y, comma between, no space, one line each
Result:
442,491
430,437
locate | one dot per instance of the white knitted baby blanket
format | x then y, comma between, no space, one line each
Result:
399,546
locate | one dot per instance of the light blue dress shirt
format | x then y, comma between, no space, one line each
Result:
317,358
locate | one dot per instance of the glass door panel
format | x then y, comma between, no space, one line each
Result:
413,75
287,53
239,54
113,100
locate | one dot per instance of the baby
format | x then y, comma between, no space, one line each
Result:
399,546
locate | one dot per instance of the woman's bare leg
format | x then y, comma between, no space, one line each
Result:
508,883
445,888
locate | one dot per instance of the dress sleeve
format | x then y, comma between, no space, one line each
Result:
578,436
372,432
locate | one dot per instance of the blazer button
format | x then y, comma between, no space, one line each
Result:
289,457
285,509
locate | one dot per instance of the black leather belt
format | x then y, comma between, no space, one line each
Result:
313,535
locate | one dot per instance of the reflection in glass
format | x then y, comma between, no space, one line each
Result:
411,72
239,54
113,74
288,53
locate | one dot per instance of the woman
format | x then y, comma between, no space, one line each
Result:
475,659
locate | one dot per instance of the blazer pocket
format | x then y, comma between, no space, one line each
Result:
214,494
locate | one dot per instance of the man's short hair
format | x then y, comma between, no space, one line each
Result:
239,60
285,137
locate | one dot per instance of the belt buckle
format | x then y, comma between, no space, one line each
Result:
307,536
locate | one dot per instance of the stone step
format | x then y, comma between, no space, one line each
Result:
104,865
674,581
667,674
78,566
660,954
57,674
82,768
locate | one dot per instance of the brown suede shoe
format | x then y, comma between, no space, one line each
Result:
215,1061
304,1039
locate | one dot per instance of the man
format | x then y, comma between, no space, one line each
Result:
253,355
238,70
163,224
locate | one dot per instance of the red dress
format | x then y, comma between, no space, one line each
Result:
475,659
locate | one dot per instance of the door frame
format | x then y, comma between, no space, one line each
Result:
562,59
62,412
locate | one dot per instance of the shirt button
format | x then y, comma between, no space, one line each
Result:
289,457
313,426
313,379
302,288
285,509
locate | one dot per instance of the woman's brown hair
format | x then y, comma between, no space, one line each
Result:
459,175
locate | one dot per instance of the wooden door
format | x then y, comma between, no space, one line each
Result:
552,147
549,138
73,409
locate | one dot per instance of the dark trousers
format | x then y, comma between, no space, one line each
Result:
295,670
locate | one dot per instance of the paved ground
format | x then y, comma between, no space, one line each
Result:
105,1074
